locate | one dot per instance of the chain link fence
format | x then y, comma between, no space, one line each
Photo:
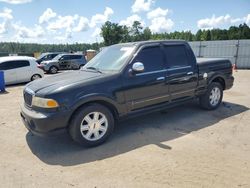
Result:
238,51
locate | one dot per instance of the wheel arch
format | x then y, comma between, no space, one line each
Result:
34,75
108,104
220,79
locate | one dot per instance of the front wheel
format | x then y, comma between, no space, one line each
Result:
213,97
53,69
91,125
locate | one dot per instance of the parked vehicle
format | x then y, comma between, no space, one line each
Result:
63,62
20,69
47,56
122,81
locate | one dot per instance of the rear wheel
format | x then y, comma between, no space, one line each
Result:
81,66
35,77
91,125
213,97
53,69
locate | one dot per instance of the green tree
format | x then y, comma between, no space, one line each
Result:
207,35
198,35
112,33
147,34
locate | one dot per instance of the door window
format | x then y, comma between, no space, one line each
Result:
8,65
76,56
65,58
151,57
176,56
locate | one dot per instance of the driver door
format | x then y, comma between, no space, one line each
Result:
64,62
149,87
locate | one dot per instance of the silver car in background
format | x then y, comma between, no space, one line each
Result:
63,62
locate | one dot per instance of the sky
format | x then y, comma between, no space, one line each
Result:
71,21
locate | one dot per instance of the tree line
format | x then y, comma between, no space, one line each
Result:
30,48
114,33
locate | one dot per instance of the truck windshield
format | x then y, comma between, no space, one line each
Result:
111,58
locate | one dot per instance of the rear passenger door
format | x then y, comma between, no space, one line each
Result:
181,71
23,70
76,61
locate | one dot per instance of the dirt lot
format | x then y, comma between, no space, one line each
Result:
183,147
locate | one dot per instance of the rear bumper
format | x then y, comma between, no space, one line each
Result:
229,82
44,124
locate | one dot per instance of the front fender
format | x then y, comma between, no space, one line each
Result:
95,97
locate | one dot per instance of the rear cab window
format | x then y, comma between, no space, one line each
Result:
176,56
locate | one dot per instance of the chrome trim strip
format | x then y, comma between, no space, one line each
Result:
152,72
183,92
177,68
138,102
159,71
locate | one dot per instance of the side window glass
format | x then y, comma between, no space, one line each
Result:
176,56
151,57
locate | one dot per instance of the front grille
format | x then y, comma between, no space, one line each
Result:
27,98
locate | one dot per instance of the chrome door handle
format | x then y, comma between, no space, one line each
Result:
160,78
190,73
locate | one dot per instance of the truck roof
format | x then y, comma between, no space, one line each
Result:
139,43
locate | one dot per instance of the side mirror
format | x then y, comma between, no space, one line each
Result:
138,67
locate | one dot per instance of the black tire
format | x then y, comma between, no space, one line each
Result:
78,118
53,69
35,77
205,101
81,66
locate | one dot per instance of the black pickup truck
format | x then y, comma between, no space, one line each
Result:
122,81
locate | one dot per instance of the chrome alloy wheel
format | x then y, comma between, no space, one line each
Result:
215,96
94,126
53,70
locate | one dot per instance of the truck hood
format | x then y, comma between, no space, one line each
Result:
61,81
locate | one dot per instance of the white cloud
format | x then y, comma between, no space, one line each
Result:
101,18
130,20
83,25
47,15
96,33
6,14
63,22
209,23
161,24
218,22
26,33
247,19
16,1
3,28
157,13
141,5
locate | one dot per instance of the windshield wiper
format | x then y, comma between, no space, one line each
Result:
94,68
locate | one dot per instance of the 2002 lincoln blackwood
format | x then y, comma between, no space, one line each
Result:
123,80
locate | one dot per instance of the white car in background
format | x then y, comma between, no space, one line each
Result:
19,69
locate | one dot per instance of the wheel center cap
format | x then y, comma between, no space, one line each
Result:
94,126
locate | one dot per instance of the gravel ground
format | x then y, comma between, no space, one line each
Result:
181,147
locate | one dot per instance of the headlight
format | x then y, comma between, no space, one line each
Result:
44,103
